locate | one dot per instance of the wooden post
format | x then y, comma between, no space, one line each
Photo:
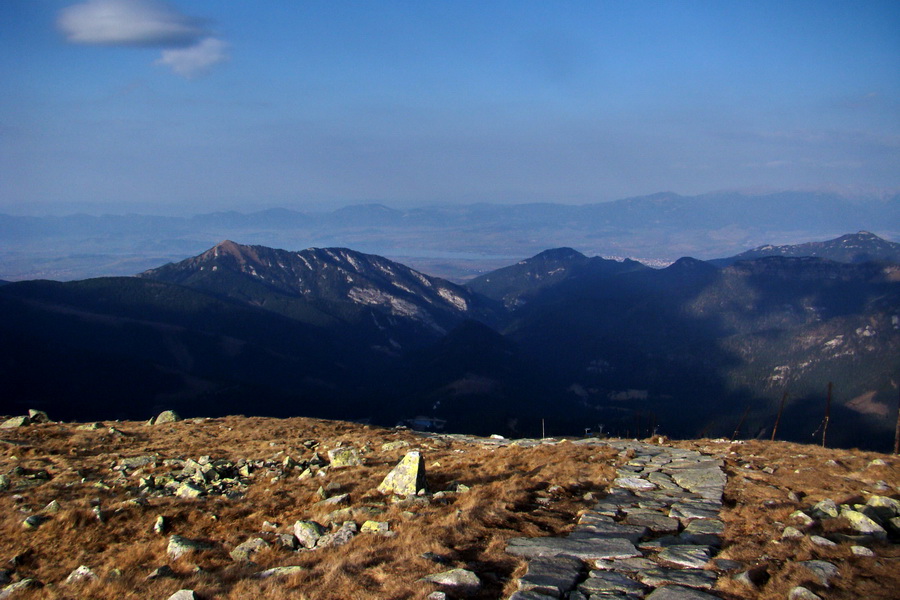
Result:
741,422
897,430
778,418
543,431
827,414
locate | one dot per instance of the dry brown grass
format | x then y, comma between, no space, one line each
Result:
758,506
467,530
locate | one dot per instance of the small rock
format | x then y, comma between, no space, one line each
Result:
188,490
35,521
458,580
160,572
15,588
179,546
437,596
376,527
345,456
308,533
340,537
80,575
184,595
248,548
38,416
388,446
818,540
279,572
52,508
791,533
15,422
801,593
878,462
803,518
861,551
886,508
823,571
160,526
754,578
826,509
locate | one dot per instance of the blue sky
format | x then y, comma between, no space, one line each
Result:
195,105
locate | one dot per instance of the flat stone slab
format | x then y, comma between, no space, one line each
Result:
691,557
553,576
632,533
654,521
625,565
634,483
676,592
610,581
586,549
692,578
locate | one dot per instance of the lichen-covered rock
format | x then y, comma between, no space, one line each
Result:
247,549
388,446
802,593
15,422
279,572
166,416
14,588
407,478
345,456
886,508
82,574
340,537
377,527
826,509
863,524
460,581
824,571
38,416
308,533
179,546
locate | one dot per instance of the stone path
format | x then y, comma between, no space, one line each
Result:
650,537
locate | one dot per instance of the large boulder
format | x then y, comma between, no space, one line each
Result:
166,416
407,478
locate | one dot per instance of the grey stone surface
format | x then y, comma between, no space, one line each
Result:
692,578
554,576
677,592
610,581
461,581
824,571
692,557
587,549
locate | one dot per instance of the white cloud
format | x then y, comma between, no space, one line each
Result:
188,48
129,23
197,60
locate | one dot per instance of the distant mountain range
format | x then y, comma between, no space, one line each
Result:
852,248
692,349
455,242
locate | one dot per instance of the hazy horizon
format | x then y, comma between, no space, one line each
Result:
199,106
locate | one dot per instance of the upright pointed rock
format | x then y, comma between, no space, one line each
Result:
407,478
